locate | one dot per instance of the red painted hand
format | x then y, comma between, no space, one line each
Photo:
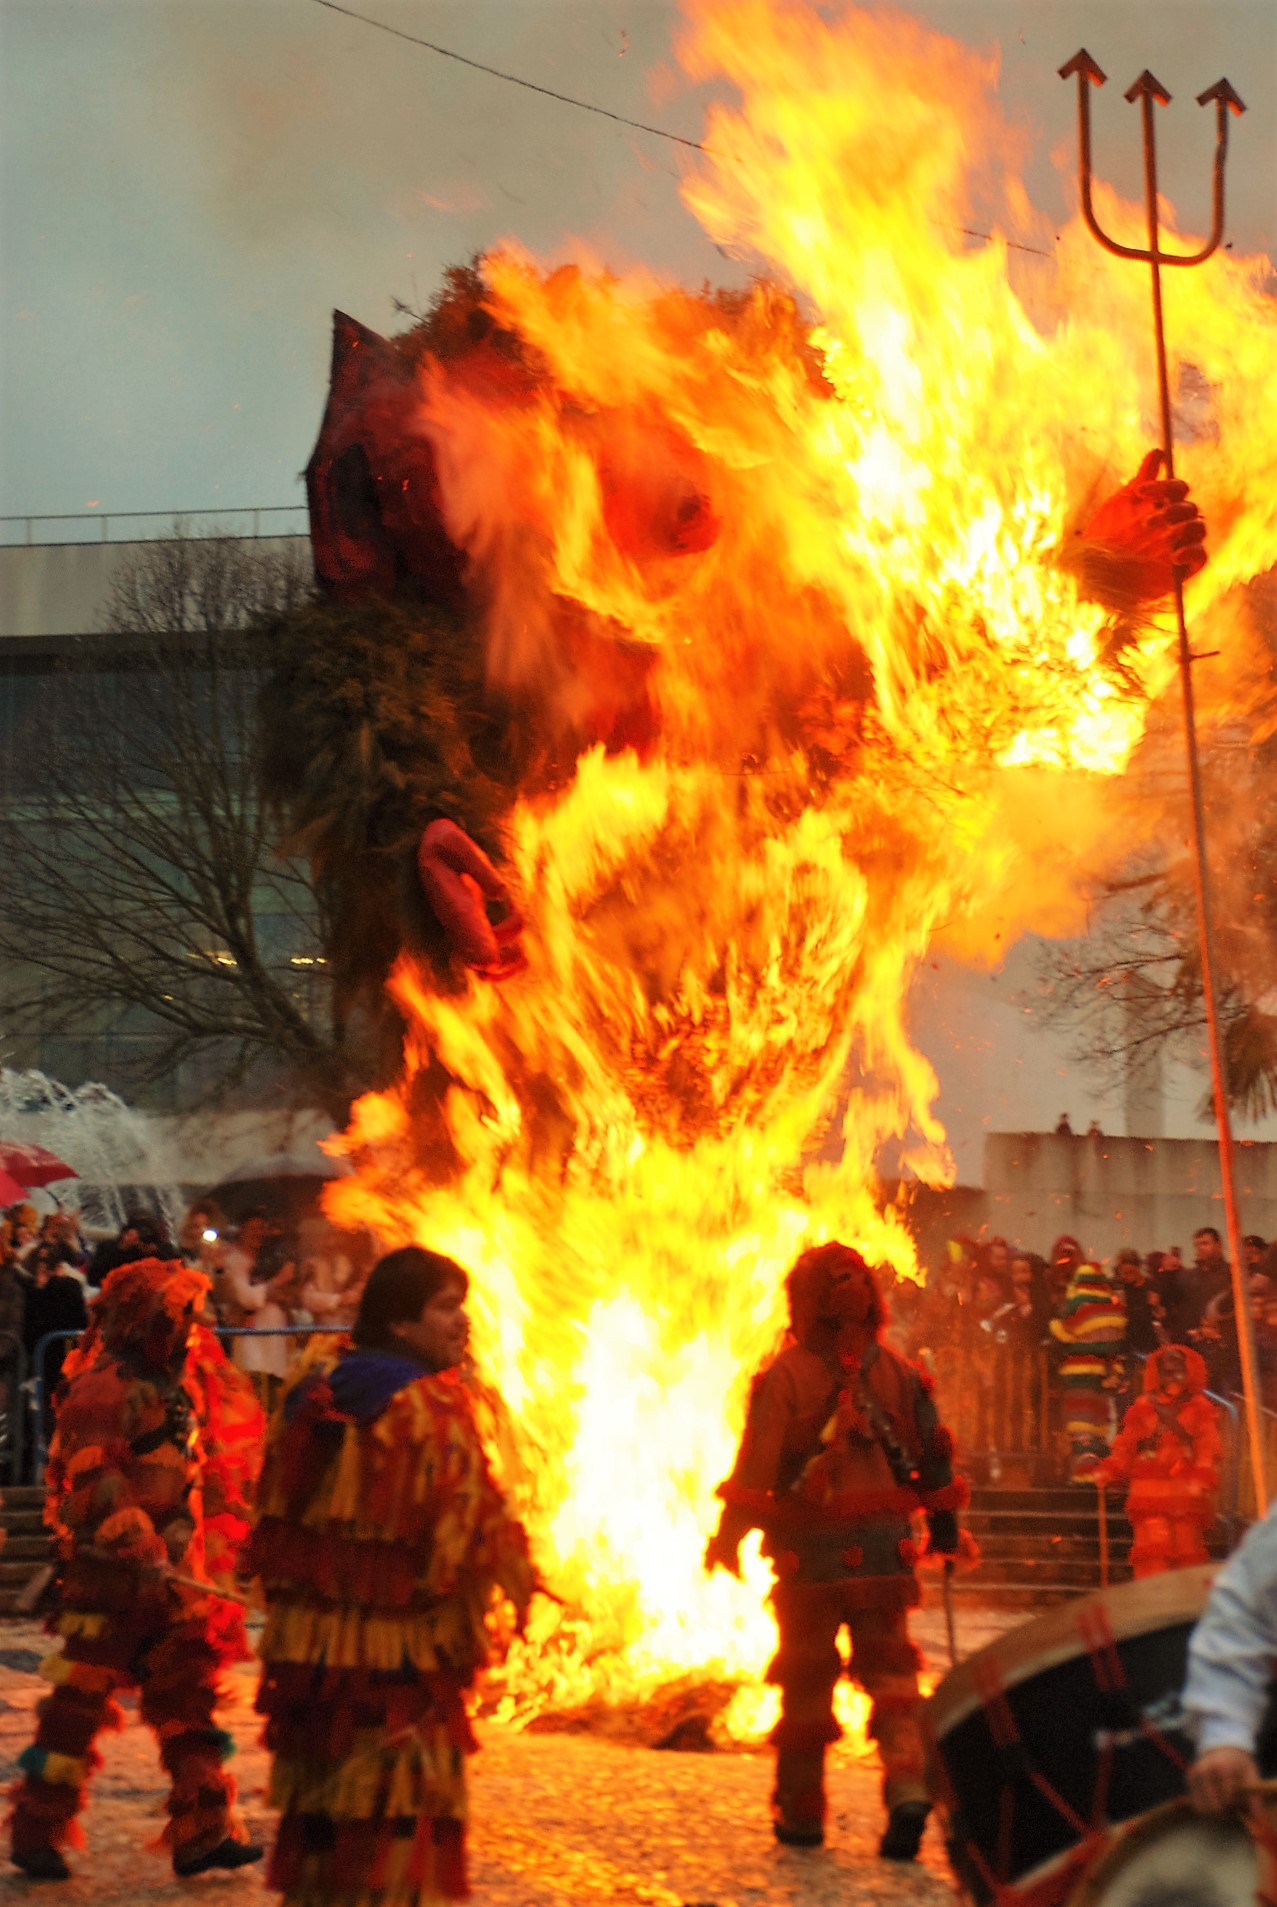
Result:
1155,526
459,881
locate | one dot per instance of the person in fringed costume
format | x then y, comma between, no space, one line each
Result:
1168,1452
842,1446
393,1571
151,1469
1091,1330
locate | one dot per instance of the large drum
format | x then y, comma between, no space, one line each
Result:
1172,1857
1060,1730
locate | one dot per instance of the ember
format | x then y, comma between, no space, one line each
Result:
885,716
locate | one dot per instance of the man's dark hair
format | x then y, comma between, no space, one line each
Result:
1207,1231
150,1228
398,1286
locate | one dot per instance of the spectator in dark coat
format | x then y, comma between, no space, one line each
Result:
142,1235
1193,1286
55,1302
1141,1324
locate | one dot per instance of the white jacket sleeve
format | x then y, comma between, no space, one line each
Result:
236,1279
1233,1650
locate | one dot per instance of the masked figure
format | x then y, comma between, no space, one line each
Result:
842,1445
1168,1452
150,1471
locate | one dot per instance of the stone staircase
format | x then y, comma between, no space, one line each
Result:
27,1543
1039,1546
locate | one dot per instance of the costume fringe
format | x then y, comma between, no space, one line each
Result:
316,1713
411,1861
346,1638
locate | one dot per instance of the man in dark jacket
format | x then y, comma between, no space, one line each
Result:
142,1235
842,1445
1141,1324
55,1302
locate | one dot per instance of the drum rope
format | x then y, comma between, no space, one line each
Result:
1110,1678
1005,1734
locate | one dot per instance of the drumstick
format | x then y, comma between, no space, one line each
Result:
207,1589
1104,1537
948,1611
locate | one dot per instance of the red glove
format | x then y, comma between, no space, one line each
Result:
459,880
1156,529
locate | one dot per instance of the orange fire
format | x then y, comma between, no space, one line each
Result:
888,722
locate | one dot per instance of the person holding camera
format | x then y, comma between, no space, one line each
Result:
259,1274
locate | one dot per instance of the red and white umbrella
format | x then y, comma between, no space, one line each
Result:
33,1165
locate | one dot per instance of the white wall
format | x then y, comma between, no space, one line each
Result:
1150,1193
55,590
1004,1069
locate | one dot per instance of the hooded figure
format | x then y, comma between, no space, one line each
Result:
1168,1451
1091,1328
842,1444
150,1471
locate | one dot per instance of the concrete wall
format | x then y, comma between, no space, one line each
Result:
1150,1193
51,590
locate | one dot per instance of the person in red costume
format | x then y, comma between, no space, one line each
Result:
842,1445
151,1467
1168,1452
397,738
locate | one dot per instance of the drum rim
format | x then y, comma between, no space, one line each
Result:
1127,1839
1130,1609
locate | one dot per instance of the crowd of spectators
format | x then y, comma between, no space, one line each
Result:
982,1320
986,1313
265,1277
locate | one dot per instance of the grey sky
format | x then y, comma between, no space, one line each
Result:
187,187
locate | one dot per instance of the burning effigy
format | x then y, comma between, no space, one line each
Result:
692,664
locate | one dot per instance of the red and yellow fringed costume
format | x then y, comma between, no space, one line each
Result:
389,1561
150,1470
842,1445
1169,1452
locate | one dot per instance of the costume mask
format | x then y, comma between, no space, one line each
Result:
833,1298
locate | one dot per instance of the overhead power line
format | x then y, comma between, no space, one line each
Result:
567,99
513,79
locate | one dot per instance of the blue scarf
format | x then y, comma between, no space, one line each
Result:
363,1383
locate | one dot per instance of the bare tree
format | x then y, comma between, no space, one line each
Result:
139,873
1134,986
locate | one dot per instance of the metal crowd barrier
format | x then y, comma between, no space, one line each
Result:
39,1361
1246,1502
13,1437
997,1401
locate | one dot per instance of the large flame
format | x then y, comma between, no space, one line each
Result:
887,718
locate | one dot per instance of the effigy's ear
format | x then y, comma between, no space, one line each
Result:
358,353
352,551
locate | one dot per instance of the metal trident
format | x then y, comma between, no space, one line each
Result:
1151,92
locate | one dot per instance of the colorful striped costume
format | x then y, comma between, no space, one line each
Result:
152,1462
389,1560
1092,1328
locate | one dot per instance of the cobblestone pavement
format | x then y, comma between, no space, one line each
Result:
558,1820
